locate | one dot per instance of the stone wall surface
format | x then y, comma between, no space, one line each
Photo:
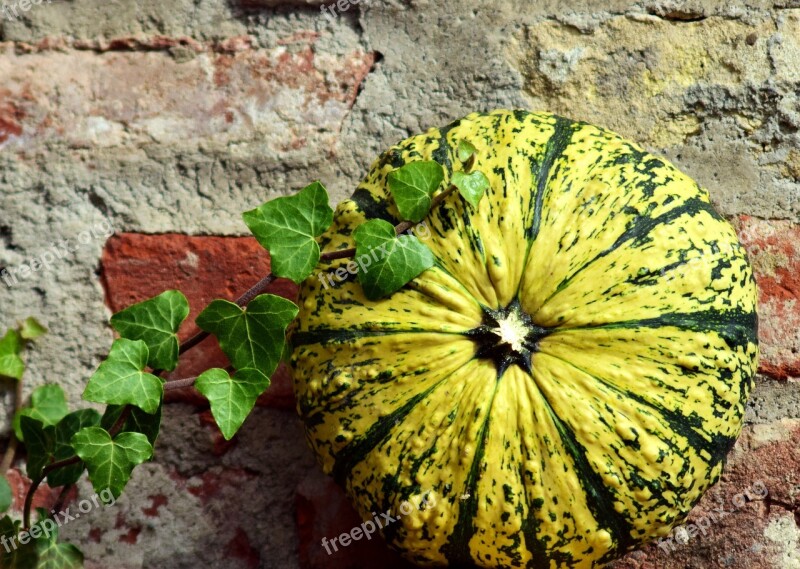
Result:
160,121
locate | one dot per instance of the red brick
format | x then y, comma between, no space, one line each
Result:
129,91
45,496
157,500
10,117
774,251
136,267
239,547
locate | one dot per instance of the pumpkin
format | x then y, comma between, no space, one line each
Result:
564,384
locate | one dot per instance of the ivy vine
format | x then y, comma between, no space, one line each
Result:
61,444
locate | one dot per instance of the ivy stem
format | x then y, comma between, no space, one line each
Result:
26,513
243,300
11,449
62,497
179,383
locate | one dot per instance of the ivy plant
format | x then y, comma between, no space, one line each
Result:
62,444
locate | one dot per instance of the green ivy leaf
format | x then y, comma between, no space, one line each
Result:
252,338
6,496
399,258
121,380
19,557
54,555
412,187
155,321
48,405
288,227
471,186
110,461
11,365
465,151
30,329
62,446
231,398
39,443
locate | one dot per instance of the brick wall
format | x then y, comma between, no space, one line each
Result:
165,120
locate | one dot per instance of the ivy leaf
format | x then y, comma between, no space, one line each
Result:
400,259
138,421
155,321
110,461
21,556
11,365
39,442
54,555
231,398
48,405
120,379
412,187
471,186
62,447
465,151
251,338
30,329
6,497
288,227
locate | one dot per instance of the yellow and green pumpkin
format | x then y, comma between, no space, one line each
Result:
564,383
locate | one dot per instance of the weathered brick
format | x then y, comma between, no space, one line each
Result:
136,267
129,91
45,496
774,250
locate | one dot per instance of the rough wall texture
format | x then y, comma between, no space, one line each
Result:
171,117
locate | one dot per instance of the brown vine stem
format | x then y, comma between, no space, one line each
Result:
179,383
62,497
11,449
243,300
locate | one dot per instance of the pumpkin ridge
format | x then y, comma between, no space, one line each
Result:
681,424
639,230
356,450
601,503
457,548
556,144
